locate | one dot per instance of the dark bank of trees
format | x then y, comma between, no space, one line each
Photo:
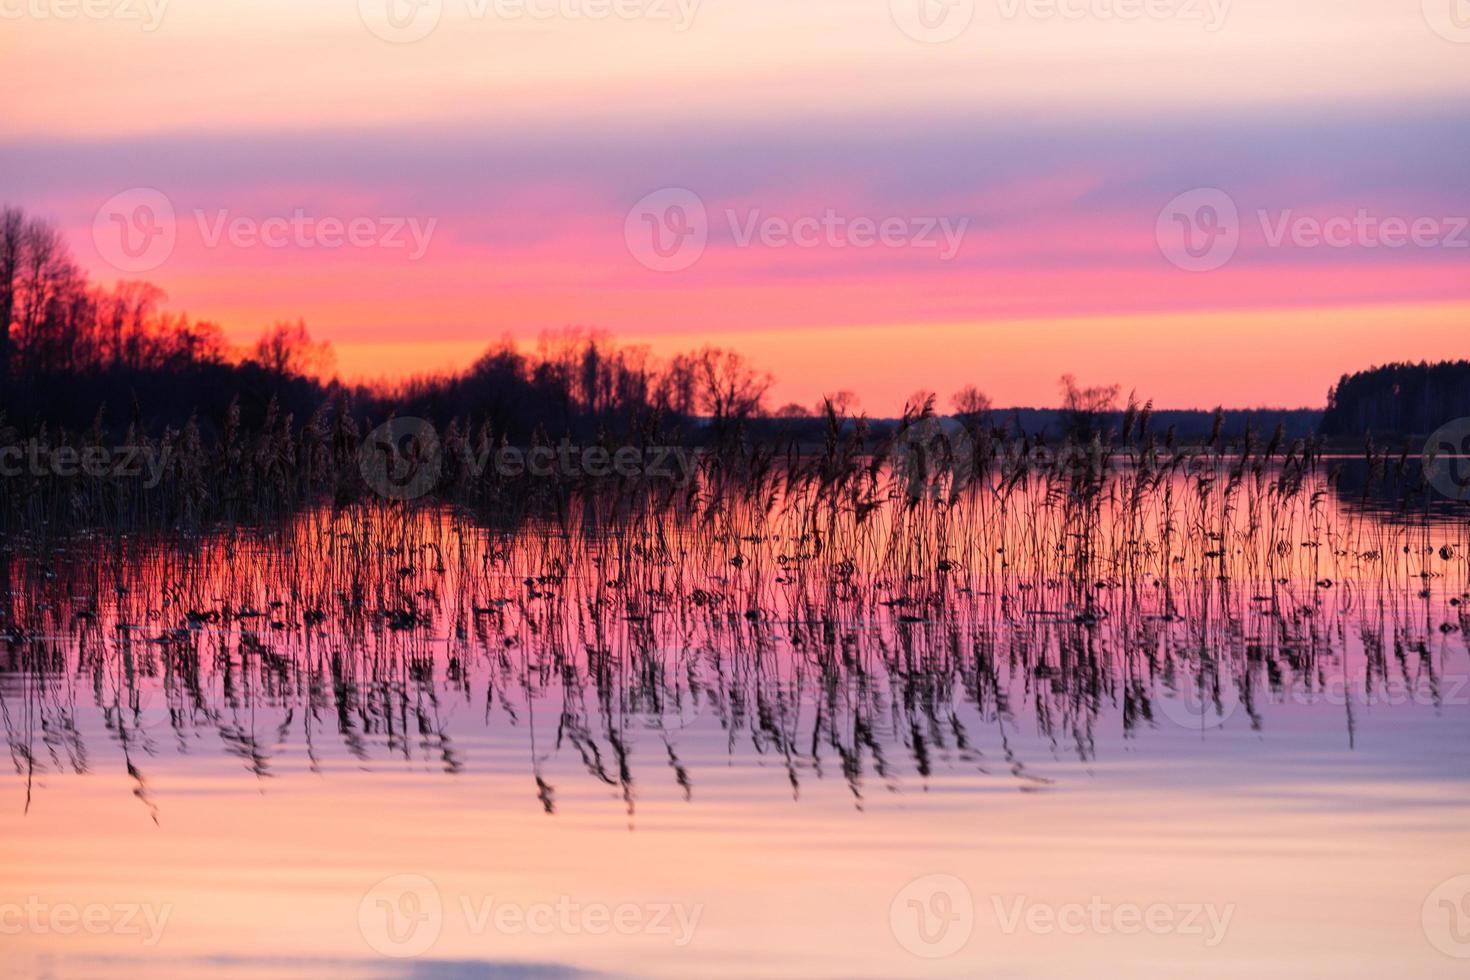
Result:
1398,399
71,349
581,383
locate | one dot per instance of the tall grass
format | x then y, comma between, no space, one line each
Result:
810,605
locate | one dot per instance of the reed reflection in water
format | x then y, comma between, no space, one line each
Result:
682,667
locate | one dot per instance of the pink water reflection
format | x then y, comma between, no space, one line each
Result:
770,739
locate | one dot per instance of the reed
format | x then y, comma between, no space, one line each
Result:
808,604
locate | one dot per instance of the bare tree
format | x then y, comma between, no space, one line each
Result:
675,391
843,403
12,223
286,349
971,404
49,308
1082,408
728,388
44,265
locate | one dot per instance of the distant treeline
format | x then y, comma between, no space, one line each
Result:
1398,399
1187,425
73,352
71,348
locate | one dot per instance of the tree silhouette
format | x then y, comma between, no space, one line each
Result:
1398,399
971,404
1083,408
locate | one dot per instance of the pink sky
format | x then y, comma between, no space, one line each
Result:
1020,169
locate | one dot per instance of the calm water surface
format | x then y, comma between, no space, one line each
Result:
1013,738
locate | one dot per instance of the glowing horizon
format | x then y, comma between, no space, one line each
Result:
1026,168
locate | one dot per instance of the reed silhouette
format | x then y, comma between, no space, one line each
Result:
813,614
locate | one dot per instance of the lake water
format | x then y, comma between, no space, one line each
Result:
1210,735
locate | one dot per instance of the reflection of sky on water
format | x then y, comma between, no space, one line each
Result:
788,773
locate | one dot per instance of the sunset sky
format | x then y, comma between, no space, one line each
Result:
1053,140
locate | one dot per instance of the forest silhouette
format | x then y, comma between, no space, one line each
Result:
77,354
